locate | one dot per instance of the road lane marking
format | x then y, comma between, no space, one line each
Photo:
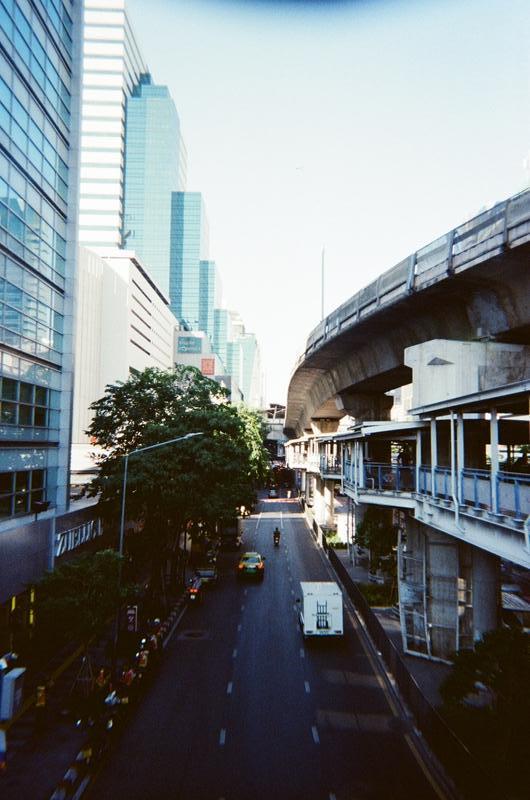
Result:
229,687
242,608
222,737
423,766
302,652
234,653
332,796
377,670
316,737
245,592
295,607
307,687
239,628
292,592
259,520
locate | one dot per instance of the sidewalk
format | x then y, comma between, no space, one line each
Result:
429,675
37,760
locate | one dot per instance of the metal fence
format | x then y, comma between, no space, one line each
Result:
470,778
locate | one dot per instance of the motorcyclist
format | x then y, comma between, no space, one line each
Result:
276,534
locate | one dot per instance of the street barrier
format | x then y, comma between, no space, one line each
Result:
468,775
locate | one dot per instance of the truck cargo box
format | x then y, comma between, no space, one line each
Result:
321,611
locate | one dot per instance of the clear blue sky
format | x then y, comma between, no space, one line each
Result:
367,127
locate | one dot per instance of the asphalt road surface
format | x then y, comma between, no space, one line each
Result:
243,709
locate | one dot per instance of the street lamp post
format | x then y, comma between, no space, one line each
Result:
126,457
125,472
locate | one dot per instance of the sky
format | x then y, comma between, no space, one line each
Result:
362,128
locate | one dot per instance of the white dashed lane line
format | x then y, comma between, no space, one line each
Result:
302,652
307,687
316,737
234,652
242,608
239,628
222,737
229,688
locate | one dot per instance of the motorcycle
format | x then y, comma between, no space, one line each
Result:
276,538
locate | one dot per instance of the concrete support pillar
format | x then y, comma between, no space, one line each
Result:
486,592
434,455
365,406
318,501
329,503
360,464
494,456
460,455
418,459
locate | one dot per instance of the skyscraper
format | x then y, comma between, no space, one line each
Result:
39,96
189,246
155,166
112,66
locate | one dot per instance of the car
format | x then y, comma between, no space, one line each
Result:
273,492
231,542
251,565
207,573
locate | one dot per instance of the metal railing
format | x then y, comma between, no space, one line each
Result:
475,240
330,465
472,780
509,493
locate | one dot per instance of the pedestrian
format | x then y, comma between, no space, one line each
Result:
41,706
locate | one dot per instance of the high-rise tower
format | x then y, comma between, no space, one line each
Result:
112,66
155,166
189,246
39,107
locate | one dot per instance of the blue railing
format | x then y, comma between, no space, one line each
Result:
512,489
330,465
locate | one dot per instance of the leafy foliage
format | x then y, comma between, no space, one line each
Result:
199,479
497,732
189,485
376,533
76,599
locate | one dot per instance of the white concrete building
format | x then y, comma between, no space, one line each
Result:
123,324
112,66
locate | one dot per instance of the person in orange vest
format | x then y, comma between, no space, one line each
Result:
41,699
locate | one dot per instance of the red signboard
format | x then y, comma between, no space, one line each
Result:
208,366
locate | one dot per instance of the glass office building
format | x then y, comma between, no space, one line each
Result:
112,66
188,247
39,91
155,166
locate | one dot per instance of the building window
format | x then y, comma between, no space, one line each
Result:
19,491
23,403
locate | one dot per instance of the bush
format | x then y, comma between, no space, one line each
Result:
377,595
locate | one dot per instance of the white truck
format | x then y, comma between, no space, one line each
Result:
320,609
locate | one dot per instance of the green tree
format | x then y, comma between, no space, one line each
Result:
75,600
496,729
184,487
376,533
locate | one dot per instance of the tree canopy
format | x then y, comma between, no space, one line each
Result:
76,599
199,479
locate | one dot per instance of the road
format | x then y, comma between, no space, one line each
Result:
243,709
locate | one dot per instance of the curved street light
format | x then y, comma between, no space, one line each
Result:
125,471
126,456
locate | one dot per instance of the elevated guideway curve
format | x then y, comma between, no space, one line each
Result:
471,284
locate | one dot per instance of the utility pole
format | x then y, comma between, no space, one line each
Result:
322,282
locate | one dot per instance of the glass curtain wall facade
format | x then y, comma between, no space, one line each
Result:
209,296
155,160
189,246
112,66
38,120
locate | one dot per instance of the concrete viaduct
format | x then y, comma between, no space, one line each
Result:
471,284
